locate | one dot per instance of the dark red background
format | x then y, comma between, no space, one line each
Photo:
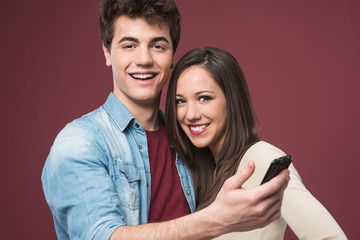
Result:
301,59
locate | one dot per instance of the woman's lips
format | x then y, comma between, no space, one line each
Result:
198,128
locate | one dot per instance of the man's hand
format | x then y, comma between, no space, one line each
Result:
236,209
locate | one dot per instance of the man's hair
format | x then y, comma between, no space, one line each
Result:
240,126
153,11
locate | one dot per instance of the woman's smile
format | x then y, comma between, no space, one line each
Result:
198,129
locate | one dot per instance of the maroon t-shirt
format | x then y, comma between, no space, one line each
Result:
167,196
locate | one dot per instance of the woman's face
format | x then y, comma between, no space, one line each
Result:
201,108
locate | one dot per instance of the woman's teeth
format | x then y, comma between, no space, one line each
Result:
198,128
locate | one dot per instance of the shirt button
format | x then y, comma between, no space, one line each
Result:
140,146
137,125
127,176
187,192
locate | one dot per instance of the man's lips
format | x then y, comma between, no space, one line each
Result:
198,128
143,76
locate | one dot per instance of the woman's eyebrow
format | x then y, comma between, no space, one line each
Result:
204,91
197,93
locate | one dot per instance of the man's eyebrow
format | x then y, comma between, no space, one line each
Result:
130,39
159,39
135,40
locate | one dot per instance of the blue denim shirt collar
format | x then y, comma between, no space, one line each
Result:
118,112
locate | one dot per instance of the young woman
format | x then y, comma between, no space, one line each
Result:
211,124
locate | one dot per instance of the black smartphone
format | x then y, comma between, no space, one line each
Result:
276,166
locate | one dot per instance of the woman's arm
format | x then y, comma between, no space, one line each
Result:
305,215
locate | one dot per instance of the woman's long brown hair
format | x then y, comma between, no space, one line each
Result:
241,132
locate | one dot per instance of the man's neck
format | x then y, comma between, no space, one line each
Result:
147,114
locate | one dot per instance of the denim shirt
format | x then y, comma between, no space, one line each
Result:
97,175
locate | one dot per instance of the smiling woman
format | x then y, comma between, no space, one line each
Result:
199,73
201,108
211,125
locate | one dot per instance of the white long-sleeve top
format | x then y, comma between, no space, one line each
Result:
304,214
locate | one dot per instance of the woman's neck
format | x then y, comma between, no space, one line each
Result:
216,147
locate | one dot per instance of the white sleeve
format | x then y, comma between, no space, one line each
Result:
305,215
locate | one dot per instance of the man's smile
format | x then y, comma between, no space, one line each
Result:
140,76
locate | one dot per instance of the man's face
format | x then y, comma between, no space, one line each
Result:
140,56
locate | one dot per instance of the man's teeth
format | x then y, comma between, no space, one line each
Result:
198,128
143,76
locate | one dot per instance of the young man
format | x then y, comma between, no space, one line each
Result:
112,175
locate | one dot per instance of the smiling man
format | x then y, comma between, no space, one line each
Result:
111,174
140,56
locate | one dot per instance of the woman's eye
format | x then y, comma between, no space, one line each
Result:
204,98
179,101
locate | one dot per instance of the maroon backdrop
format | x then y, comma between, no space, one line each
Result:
301,59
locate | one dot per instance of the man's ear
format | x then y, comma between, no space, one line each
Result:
107,56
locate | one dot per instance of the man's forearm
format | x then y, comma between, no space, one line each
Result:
194,226
234,210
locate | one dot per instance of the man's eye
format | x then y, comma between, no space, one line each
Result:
204,98
157,46
128,46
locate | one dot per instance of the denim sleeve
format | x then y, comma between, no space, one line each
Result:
78,186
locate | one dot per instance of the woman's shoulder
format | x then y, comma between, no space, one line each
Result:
261,153
263,150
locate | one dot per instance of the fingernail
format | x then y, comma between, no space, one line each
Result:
248,165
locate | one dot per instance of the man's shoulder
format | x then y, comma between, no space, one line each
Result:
88,131
93,134
89,123
97,129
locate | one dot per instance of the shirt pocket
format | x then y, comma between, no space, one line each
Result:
127,184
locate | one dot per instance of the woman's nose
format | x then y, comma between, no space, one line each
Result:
192,112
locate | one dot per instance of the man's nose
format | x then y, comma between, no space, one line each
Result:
144,57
